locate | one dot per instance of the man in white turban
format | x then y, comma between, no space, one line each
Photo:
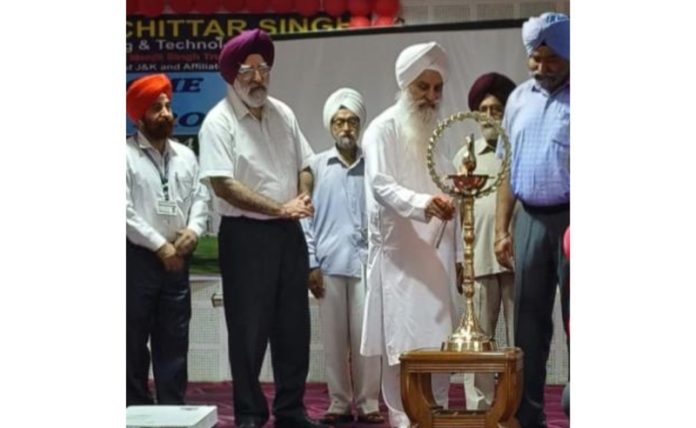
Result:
409,278
337,250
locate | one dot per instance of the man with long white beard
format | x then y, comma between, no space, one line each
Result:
409,278
254,156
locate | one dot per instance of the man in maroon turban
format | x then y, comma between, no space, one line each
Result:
493,283
255,158
166,212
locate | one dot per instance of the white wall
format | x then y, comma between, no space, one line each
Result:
307,71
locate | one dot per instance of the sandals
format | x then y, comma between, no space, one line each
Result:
371,418
336,418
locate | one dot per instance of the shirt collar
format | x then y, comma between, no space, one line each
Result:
145,144
334,154
480,146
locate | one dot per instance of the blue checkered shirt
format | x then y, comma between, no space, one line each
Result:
538,124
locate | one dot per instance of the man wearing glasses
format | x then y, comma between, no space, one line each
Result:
336,238
254,157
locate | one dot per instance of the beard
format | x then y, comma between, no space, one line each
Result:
417,123
345,142
252,94
158,129
549,81
489,134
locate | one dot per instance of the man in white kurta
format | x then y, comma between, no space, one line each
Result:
409,279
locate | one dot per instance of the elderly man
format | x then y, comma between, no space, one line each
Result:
409,278
337,250
537,120
493,284
252,155
166,211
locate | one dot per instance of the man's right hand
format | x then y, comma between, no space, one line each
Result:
172,262
316,283
440,206
503,250
297,208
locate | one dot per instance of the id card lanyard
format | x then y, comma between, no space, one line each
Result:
164,175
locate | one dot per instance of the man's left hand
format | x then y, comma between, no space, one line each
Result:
186,240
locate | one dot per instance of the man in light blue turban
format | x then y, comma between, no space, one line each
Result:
537,121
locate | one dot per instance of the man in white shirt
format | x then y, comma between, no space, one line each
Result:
494,284
166,212
254,156
409,278
337,246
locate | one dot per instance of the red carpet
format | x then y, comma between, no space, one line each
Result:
317,400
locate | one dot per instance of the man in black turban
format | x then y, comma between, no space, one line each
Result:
493,283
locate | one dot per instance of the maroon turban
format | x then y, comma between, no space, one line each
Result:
238,48
490,84
145,91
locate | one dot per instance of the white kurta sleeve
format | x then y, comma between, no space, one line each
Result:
380,177
138,231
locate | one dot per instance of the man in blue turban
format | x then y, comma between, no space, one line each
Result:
537,121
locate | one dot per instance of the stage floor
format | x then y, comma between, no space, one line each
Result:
317,400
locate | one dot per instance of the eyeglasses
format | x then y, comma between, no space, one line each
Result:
351,121
246,73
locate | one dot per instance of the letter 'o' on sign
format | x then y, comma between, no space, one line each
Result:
151,7
233,5
181,6
207,6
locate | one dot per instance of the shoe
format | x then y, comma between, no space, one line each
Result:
249,423
303,422
336,418
371,418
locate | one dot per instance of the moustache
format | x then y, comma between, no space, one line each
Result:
544,77
427,105
256,88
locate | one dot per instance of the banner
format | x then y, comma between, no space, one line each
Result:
186,48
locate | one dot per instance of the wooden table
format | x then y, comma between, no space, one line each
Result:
423,411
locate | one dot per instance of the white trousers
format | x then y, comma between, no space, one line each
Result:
341,315
391,392
491,292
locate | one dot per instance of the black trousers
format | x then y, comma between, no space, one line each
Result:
158,308
264,266
540,267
